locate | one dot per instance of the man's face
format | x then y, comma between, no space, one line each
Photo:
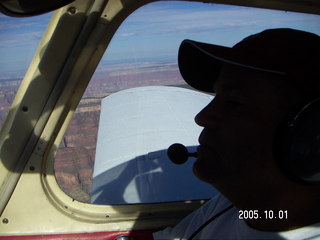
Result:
240,124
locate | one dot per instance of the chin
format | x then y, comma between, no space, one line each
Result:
213,175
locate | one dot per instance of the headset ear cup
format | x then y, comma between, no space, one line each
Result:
281,148
303,145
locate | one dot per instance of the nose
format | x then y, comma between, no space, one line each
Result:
208,116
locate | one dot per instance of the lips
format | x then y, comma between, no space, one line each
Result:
205,139
205,162
207,145
200,152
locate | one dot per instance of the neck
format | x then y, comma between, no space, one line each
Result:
275,208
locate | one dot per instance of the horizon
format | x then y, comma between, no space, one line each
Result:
164,23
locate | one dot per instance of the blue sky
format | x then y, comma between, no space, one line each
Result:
19,38
154,30
161,26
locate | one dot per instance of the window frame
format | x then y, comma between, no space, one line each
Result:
30,158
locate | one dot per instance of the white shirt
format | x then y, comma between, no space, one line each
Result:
227,226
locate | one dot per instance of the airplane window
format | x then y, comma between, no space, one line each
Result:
19,38
114,149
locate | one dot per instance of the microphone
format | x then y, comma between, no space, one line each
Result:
179,154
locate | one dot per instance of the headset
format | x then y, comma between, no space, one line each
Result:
300,147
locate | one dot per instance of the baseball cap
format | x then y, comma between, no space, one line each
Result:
284,51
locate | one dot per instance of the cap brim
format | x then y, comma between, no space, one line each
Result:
200,63
198,66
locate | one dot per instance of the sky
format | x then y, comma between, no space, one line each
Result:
154,31
19,38
168,23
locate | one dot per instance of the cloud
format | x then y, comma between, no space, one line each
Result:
165,18
20,40
22,32
9,24
166,23
158,28
126,34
